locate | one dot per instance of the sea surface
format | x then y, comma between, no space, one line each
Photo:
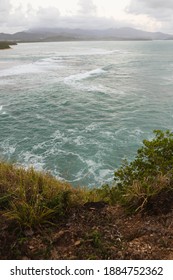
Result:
77,109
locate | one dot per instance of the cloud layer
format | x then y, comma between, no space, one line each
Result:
145,14
12,20
159,10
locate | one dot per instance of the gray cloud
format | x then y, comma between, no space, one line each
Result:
157,4
21,19
159,9
5,8
87,7
47,16
80,21
10,18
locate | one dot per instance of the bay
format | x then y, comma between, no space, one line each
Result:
76,109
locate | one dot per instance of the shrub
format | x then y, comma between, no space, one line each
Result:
156,156
148,173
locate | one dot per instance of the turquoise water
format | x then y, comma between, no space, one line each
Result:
77,109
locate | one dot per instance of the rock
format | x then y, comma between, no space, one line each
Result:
95,205
77,243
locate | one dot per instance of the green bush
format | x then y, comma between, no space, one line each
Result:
150,172
155,157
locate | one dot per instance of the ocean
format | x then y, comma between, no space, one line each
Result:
77,109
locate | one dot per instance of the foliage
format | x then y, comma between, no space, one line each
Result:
156,156
4,45
151,171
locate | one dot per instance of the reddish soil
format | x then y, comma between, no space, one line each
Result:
96,231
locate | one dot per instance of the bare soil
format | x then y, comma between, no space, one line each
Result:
96,231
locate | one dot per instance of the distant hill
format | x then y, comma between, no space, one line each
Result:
67,34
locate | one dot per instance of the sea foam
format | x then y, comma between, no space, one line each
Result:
82,76
20,69
39,66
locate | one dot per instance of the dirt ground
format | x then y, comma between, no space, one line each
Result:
95,231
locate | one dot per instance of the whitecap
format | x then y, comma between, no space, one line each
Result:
32,160
82,76
35,67
136,132
91,127
79,141
5,82
49,63
97,51
103,173
8,148
20,69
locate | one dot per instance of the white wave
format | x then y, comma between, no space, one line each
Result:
79,141
82,76
96,51
32,160
1,110
93,166
51,62
20,69
88,87
136,132
91,127
103,173
36,67
88,52
98,172
7,148
5,82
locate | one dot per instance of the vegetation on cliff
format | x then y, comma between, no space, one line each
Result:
43,218
6,45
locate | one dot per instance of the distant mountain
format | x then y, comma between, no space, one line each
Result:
67,34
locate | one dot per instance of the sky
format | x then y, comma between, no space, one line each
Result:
149,15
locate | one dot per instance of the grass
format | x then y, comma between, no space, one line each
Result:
31,198
43,218
136,196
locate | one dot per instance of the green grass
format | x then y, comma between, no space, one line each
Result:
32,198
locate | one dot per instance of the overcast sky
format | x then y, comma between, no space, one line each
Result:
149,15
